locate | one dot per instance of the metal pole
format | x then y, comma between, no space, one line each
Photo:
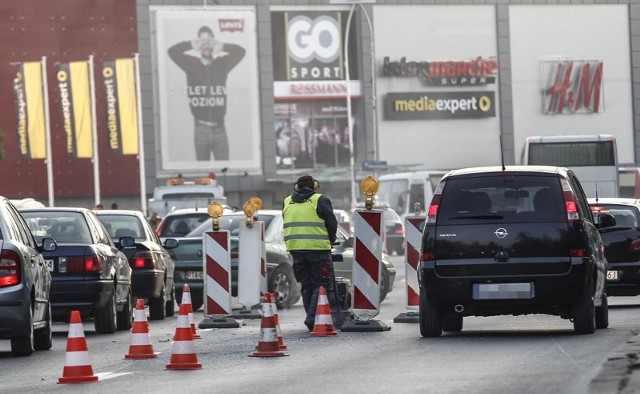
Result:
374,95
143,185
94,131
47,129
352,159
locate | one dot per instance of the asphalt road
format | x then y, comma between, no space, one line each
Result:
526,354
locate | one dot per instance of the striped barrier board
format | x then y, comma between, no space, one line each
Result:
412,259
250,266
217,283
366,263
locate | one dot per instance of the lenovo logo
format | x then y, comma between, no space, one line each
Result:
573,86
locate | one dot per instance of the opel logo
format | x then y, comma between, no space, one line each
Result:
501,233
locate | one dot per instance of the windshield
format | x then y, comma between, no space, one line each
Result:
394,192
230,223
64,227
122,226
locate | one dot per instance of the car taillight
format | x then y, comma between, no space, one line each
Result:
427,257
143,260
10,268
569,201
577,252
399,231
432,212
634,246
80,264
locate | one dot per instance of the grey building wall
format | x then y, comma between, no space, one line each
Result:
273,186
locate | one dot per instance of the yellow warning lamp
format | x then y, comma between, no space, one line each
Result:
250,208
369,187
215,210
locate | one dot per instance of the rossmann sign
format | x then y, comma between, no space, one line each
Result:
479,71
440,105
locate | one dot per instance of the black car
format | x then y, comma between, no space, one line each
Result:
621,244
25,311
89,273
520,240
152,266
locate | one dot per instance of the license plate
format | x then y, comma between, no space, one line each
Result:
503,291
612,275
49,264
194,274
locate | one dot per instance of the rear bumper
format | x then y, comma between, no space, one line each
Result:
14,304
146,283
552,294
196,286
628,283
85,296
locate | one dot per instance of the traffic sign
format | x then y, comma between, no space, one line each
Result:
374,165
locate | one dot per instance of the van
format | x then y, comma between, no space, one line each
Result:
511,241
403,190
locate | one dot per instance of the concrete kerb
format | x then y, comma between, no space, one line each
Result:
621,372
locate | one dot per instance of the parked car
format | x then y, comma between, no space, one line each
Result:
621,244
89,273
180,222
152,266
393,228
25,282
514,241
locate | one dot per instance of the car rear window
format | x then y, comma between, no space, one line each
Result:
513,198
625,216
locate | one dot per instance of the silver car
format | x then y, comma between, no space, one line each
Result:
25,311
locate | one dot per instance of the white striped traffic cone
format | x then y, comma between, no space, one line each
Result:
77,368
323,324
268,343
186,299
183,351
141,347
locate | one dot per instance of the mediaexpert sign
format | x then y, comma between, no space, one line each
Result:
439,105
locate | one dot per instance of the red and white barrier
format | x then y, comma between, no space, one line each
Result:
413,237
250,265
217,267
263,264
366,263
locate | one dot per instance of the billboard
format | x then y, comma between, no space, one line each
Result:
207,88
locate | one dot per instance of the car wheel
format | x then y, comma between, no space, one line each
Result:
584,317
24,346
106,319
281,284
125,318
170,308
43,338
429,317
602,313
384,284
196,302
400,251
157,307
452,323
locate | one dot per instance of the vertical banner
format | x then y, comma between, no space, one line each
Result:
29,98
75,106
122,111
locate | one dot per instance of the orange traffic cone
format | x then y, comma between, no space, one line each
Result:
281,344
77,368
183,351
268,344
186,299
140,347
323,324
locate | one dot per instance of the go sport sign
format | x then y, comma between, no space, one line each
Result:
439,105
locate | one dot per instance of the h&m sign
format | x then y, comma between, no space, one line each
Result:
572,86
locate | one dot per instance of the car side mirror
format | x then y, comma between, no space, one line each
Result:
49,244
127,242
605,220
171,243
421,225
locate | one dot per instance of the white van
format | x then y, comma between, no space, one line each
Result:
403,190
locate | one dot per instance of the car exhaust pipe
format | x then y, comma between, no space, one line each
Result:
458,308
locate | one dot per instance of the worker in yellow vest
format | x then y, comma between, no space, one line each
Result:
309,230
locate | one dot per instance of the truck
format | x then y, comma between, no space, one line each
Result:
403,190
179,193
